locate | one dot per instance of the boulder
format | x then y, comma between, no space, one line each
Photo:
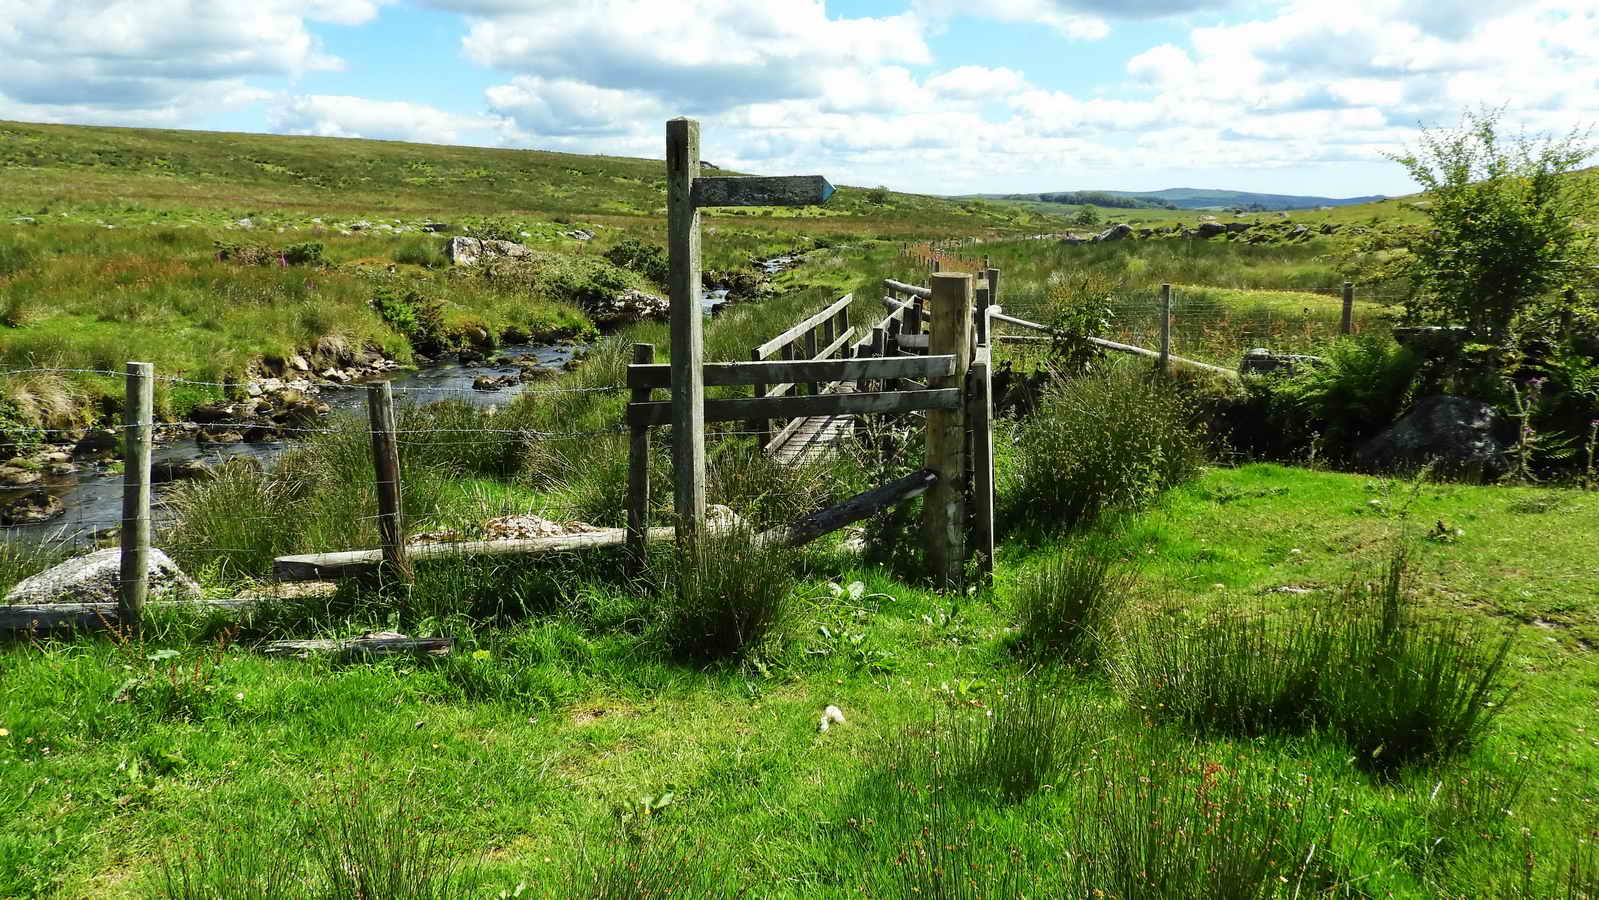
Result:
32,509
510,249
1238,227
98,444
627,307
1260,361
437,227
1209,230
1118,232
1432,340
16,476
167,470
485,383
1463,436
94,579
463,251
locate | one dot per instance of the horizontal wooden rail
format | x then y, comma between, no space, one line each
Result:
660,412
331,566
795,332
743,373
1119,347
913,290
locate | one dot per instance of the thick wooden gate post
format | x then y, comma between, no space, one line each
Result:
1346,322
638,475
386,464
138,419
688,340
944,509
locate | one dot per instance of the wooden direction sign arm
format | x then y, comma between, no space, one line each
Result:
785,190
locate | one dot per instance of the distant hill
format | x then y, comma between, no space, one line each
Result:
1186,198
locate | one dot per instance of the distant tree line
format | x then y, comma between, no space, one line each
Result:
1097,198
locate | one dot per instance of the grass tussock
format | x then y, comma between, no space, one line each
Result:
1112,438
725,594
1065,605
353,847
1397,686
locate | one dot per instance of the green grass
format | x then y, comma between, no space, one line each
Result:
526,750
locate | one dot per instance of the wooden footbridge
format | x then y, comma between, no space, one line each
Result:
828,335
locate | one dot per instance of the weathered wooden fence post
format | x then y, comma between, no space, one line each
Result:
760,428
944,510
638,475
1346,324
1165,329
386,463
138,419
688,341
980,418
993,282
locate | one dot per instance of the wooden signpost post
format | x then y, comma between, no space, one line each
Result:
686,194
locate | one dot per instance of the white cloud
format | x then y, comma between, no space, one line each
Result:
563,107
152,60
334,116
706,55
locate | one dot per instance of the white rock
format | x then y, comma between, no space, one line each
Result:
95,578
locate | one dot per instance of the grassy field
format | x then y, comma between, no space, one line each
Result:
1268,681
546,750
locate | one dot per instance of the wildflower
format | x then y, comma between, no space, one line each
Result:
5,732
481,654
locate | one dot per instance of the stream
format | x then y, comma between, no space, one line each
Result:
92,496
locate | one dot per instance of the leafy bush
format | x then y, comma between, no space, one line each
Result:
1362,388
419,318
1503,224
1113,438
589,285
646,259
304,254
725,595
1066,604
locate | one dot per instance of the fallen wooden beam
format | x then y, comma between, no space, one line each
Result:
861,506
375,645
43,618
333,566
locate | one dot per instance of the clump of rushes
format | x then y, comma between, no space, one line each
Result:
725,594
1112,438
1065,604
1399,688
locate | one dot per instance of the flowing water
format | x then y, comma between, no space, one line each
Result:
93,495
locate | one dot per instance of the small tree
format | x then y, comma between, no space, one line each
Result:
1087,215
1505,224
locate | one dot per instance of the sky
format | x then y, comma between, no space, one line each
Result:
930,96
